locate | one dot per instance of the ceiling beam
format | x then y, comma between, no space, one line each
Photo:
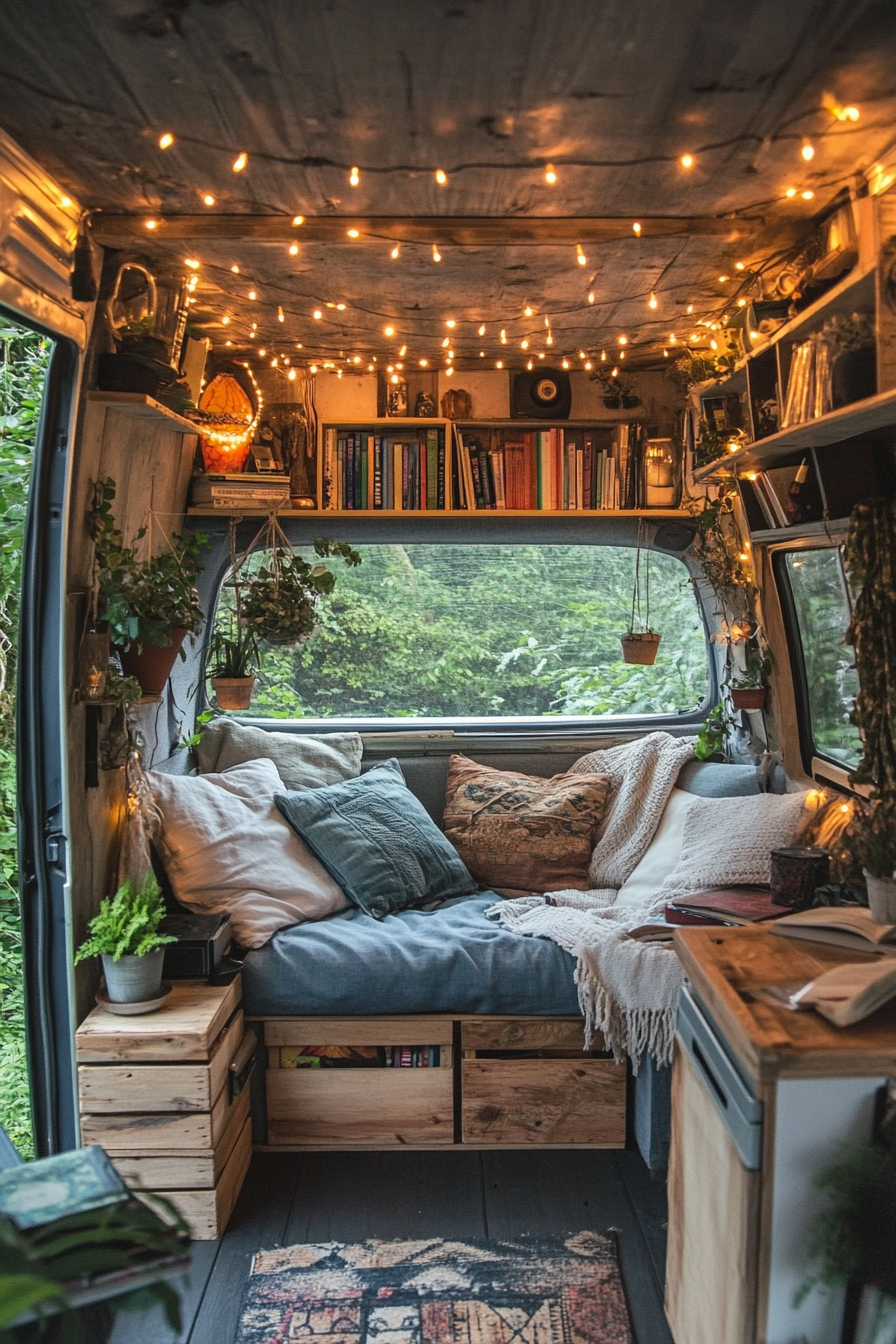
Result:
458,231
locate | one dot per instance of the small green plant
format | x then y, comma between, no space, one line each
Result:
713,736
870,839
838,1244
754,675
233,652
279,602
614,385
187,743
141,601
694,367
126,924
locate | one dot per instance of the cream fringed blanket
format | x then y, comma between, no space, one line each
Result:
627,990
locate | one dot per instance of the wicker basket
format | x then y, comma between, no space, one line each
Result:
640,648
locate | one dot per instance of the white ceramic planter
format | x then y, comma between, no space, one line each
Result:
881,898
134,979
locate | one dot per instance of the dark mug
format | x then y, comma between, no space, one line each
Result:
795,873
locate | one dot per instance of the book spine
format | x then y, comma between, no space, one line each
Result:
442,473
405,474
397,475
564,498
484,481
329,468
371,478
340,473
496,462
361,493
581,498
350,472
588,472
432,469
377,502
478,493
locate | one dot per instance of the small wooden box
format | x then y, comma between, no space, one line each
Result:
542,1090
154,1091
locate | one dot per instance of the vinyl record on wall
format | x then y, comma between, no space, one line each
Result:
544,394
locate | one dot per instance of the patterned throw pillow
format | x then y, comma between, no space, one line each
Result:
520,833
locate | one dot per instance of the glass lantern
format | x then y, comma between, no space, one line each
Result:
660,473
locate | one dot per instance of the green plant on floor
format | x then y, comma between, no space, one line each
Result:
126,924
142,601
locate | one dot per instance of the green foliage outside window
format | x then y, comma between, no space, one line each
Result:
24,357
461,631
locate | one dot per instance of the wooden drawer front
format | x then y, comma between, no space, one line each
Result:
523,1033
358,1031
208,1211
186,1028
359,1106
172,1131
544,1101
198,1170
159,1087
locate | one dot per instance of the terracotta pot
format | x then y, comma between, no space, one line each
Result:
640,649
152,667
233,692
881,898
749,697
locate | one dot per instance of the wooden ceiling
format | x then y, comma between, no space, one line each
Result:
608,94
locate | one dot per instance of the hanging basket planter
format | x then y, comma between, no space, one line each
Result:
233,692
641,648
749,697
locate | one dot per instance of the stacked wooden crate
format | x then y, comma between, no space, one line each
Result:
157,1093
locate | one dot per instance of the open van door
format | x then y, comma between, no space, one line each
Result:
38,230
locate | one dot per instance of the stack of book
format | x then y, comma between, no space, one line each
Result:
361,1057
233,491
398,471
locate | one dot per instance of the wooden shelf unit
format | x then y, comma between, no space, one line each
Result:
147,408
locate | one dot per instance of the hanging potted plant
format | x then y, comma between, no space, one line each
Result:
618,389
124,933
149,606
278,602
234,657
640,643
746,687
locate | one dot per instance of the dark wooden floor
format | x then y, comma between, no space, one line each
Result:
351,1196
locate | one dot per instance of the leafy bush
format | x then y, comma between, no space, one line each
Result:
126,924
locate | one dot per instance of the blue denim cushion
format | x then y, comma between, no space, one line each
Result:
377,841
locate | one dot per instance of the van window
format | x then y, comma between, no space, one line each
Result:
829,681
459,631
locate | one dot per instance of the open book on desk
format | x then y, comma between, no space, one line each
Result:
842,925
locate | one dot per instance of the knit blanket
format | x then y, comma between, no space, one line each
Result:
628,991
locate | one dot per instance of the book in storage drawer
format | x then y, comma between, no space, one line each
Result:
382,1107
551,1101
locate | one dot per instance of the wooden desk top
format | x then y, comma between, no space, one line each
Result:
771,1042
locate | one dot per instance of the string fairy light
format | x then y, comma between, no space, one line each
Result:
436,254
580,255
636,228
687,160
450,322
293,249
402,352
652,301
208,199
354,178
807,151
441,176
353,233
550,174
281,317
482,329
395,253
297,220
591,296
527,311
388,331
240,162
166,140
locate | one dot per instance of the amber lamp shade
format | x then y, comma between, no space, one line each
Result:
226,442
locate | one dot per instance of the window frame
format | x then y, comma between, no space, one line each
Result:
815,761
581,529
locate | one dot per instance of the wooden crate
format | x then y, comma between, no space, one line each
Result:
208,1211
381,1107
196,1169
186,1028
562,1096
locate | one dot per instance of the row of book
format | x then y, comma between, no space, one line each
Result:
557,469
361,1057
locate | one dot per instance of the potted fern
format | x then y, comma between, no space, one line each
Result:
748,690
234,657
125,933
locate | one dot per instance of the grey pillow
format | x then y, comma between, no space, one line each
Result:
303,761
377,841
713,779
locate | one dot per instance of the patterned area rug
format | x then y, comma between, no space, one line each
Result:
438,1292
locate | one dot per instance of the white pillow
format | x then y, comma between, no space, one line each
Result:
662,853
226,848
303,760
728,841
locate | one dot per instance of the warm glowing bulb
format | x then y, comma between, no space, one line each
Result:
262,353
353,233
446,342
208,199
482,330
591,297
672,338
588,364
741,303
235,269
690,308
636,228
791,191
388,331
622,354
317,314
687,160
499,363
441,176
651,302
65,201
192,263
166,140
714,345
623,340
807,195
550,174
754,335
738,266
402,352
340,307
436,254
293,249
448,373
503,336
527,311
313,368
524,345
849,114
549,340
280,315
240,162
394,378
580,255
152,223
395,253
297,220
274,362
225,320
423,363
291,375
603,356
253,294
614,373
354,177
450,354
529,364
450,322
723,279
808,151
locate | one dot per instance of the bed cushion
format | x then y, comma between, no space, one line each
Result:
448,960
377,841
523,834
225,847
303,760
718,779
662,854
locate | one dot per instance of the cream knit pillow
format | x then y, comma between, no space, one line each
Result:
727,842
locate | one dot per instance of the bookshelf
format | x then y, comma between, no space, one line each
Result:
393,467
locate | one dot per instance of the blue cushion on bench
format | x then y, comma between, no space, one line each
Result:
448,960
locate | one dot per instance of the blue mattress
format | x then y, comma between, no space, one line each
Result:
448,960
